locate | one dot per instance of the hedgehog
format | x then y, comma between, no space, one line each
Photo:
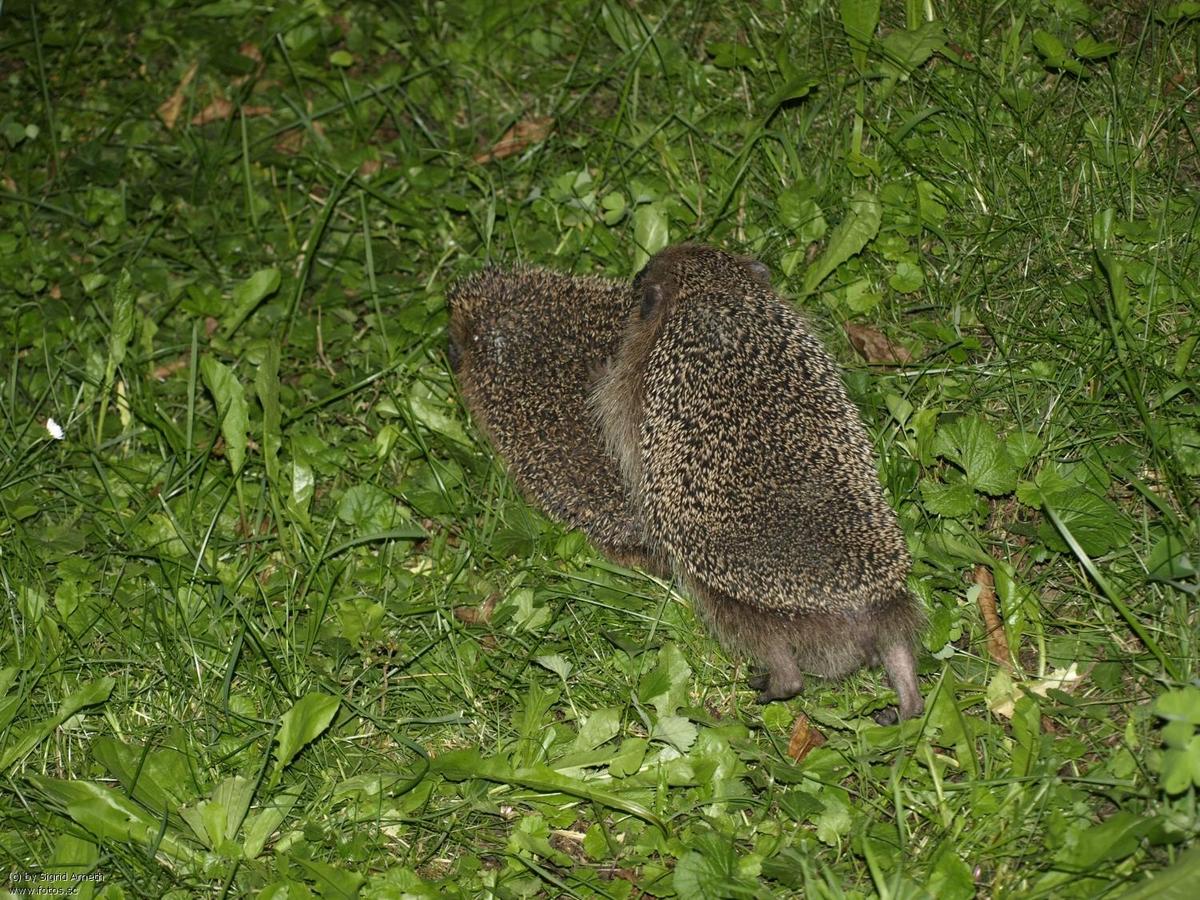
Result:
526,345
752,476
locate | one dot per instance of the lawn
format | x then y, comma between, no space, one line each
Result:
276,623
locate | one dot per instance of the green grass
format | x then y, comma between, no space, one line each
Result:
274,617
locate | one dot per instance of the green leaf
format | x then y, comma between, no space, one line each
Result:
1022,447
906,50
1118,289
1178,12
247,296
835,820
601,727
301,724
330,881
930,208
13,132
158,779
798,211
1178,881
666,686
1052,50
649,232
1181,705
1113,839
459,765
972,444
1088,47
231,409
119,335
215,820
1096,524
676,731
88,695
112,817
713,874
629,758
262,824
624,27
367,507
1172,559
907,278
950,500
949,876
860,18
793,89
860,225
728,55
266,386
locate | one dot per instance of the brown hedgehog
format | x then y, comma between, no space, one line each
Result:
753,475
526,345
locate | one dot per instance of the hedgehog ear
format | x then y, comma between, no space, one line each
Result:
759,272
652,297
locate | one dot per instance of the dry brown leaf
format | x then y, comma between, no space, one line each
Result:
166,370
997,646
10,185
170,108
217,111
805,737
517,138
369,167
221,109
211,324
476,615
250,51
290,142
876,347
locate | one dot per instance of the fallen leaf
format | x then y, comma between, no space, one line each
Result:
369,167
218,110
876,347
290,142
997,646
166,370
1003,692
517,138
211,324
476,615
250,51
221,109
170,108
805,737
1065,680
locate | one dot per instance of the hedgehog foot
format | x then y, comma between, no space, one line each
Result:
778,679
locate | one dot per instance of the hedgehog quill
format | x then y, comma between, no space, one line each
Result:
753,475
689,423
525,346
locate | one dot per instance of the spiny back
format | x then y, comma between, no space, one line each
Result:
525,345
747,458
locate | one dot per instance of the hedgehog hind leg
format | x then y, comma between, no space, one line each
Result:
901,667
757,634
777,677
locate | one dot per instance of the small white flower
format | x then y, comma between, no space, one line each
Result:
56,430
